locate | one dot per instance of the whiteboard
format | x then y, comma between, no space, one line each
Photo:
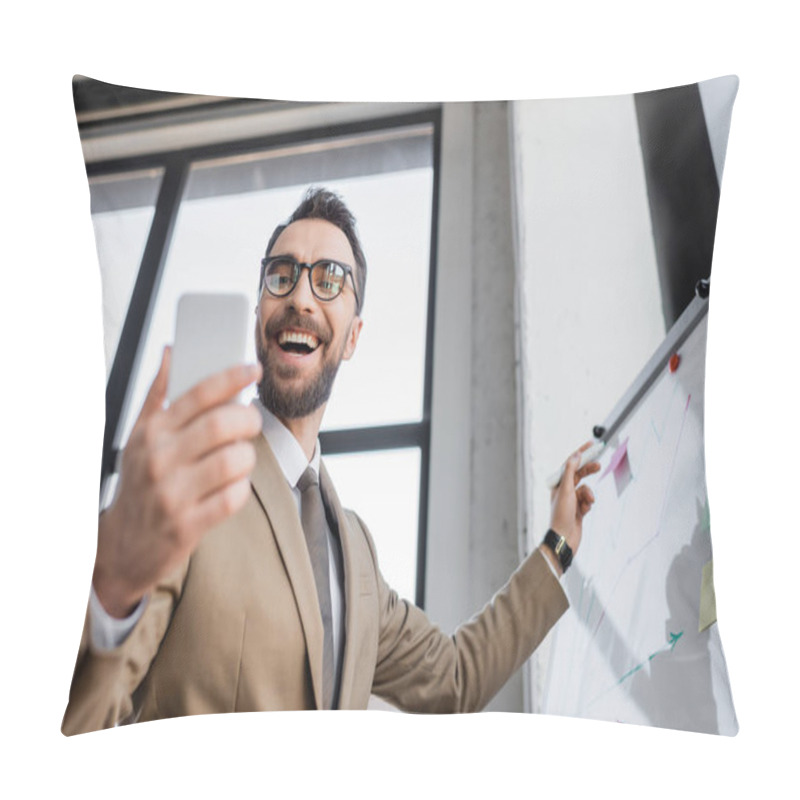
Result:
639,643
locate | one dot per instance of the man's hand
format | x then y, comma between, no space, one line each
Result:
571,502
184,469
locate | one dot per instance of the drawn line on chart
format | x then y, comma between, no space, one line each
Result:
667,648
661,513
655,430
660,434
659,431
672,469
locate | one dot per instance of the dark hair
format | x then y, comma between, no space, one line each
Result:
323,204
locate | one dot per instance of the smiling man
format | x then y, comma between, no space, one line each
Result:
301,350
229,578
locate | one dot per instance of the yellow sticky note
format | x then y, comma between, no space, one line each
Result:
708,601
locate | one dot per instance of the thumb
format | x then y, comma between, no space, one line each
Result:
158,388
570,468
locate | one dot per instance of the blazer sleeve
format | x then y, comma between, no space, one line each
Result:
104,683
419,668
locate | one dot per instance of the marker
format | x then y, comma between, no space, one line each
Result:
591,454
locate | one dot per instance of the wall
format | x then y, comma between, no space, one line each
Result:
717,98
473,543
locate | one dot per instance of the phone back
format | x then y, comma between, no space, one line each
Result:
210,336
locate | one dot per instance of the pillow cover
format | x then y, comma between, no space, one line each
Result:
574,252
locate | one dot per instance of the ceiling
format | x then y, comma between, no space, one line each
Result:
100,105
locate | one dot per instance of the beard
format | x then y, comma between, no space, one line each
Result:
290,402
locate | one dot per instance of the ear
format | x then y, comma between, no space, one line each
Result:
352,338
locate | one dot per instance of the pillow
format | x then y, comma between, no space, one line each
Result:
575,253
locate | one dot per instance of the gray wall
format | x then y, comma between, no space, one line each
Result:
473,517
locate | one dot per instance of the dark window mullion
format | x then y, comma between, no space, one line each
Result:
422,540
379,437
427,396
140,307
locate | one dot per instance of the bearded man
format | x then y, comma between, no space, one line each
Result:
228,576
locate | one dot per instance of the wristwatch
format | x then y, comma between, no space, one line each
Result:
558,544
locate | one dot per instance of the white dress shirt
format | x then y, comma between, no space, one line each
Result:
107,632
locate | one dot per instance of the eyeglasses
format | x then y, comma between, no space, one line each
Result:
279,276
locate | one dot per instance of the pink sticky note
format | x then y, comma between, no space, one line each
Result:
621,468
616,460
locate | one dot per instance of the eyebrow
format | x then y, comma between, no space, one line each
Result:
317,261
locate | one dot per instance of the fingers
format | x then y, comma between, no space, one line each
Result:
158,388
585,500
584,495
220,505
216,428
586,470
220,388
225,466
569,478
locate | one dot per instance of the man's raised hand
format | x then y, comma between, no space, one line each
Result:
184,469
572,500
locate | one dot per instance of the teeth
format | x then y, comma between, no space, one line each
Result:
294,337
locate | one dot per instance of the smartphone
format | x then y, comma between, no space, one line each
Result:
210,336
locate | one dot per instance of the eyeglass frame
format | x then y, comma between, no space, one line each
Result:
300,266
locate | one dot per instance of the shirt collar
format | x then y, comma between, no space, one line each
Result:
287,450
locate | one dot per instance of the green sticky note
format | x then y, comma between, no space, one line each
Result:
708,600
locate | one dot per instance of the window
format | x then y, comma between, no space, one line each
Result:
122,212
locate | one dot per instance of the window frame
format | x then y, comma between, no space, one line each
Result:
176,165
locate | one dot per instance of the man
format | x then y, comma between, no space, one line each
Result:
226,581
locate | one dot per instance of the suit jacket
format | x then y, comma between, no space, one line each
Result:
238,628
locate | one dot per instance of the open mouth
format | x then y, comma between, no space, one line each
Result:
297,342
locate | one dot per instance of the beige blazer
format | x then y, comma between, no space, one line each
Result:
238,628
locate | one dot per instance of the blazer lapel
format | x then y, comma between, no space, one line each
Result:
352,620
278,502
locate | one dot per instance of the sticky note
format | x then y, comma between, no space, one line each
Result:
620,454
708,600
620,467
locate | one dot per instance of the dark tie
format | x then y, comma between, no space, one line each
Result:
315,529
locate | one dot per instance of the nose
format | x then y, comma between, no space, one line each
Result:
301,297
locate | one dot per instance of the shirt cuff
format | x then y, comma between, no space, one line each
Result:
550,564
108,632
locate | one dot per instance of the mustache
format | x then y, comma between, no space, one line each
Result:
291,319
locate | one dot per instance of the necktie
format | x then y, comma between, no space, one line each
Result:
315,529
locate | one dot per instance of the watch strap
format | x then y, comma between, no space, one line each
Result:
558,544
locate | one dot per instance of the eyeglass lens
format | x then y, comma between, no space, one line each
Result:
327,278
